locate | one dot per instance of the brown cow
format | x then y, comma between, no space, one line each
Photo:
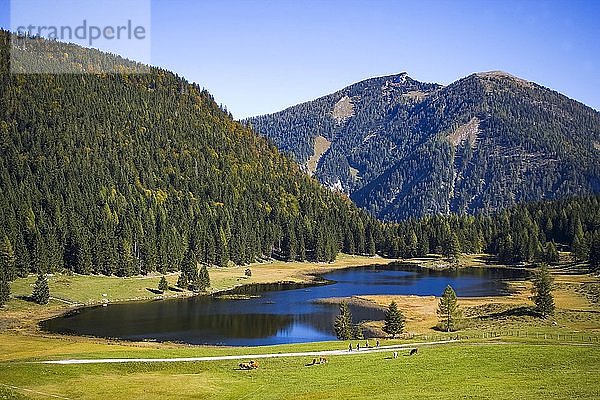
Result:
249,365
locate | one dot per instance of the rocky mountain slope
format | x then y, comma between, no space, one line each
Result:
402,148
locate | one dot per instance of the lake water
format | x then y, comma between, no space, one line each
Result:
275,313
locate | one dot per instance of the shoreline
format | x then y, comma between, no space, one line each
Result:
295,273
27,321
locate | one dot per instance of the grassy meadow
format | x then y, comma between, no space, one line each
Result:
504,351
480,371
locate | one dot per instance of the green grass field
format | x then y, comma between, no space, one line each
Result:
508,353
479,371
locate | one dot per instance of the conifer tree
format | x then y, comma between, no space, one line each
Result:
189,270
4,289
579,248
163,285
288,245
394,320
452,247
320,246
551,253
301,247
182,281
448,312
222,249
7,259
203,278
41,291
506,249
343,323
594,255
357,332
542,292
371,245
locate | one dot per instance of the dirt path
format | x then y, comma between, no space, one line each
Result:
369,350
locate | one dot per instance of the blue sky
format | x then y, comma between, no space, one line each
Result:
257,56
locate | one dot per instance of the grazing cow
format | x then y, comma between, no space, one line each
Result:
322,360
413,351
249,365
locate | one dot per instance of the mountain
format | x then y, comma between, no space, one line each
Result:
402,148
130,172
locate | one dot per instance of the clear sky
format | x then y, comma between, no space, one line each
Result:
260,56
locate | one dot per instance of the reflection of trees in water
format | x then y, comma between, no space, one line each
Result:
250,326
204,319
256,289
322,321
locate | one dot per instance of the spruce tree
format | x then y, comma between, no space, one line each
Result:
506,249
579,248
289,245
320,246
343,323
182,281
189,269
452,247
222,249
7,259
203,278
4,289
394,320
371,250
163,285
301,247
542,292
448,312
41,291
357,332
551,253
594,254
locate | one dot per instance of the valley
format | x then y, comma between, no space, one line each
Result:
395,238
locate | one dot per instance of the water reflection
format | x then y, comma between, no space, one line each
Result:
276,313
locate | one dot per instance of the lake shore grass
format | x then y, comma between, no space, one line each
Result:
69,292
504,351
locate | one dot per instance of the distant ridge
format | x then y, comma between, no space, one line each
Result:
402,148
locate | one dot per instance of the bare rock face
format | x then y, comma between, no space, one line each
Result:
343,109
465,133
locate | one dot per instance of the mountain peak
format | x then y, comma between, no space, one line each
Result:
402,148
501,75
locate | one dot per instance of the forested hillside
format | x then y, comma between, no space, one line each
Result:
402,149
127,173
131,173
532,232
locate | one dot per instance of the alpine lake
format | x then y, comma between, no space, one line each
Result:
278,313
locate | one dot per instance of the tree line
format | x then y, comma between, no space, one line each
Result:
532,232
126,174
